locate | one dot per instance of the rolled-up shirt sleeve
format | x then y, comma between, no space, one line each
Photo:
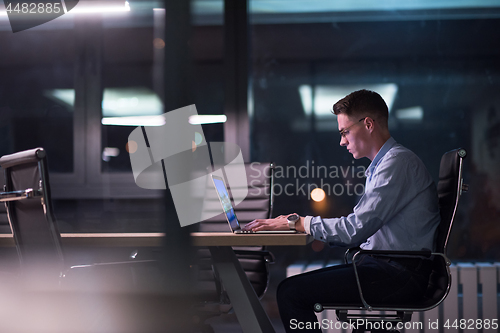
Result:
307,224
388,191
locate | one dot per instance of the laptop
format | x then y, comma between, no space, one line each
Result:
231,218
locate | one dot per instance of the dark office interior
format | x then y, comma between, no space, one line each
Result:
274,68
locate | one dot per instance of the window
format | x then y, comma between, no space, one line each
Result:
36,98
438,59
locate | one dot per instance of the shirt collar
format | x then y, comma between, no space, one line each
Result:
381,153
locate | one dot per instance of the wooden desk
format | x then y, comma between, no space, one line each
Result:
156,239
230,239
248,309
114,239
246,304
101,239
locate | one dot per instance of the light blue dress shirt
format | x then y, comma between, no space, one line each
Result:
398,211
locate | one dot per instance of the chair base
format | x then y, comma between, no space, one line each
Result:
361,330
374,323
396,317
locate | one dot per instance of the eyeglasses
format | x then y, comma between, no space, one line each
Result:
346,130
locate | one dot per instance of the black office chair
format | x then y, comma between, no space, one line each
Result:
4,220
450,188
254,260
38,241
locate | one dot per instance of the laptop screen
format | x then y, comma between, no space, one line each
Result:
226,202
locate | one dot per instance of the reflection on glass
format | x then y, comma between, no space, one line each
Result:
122,102
123,108
36,105
323,95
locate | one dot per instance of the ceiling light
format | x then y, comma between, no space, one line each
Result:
321,99
109,6
415,113
127,102
134,121
207,119
306,97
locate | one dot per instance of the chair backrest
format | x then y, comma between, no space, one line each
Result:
30,215
449,189
4,220
258,204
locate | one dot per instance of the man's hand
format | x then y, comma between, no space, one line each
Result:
278,223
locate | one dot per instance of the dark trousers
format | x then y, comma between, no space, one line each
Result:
382,281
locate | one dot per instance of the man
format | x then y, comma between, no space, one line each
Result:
398,211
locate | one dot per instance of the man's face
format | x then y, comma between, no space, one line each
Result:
354,135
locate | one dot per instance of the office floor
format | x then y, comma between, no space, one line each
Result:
284,256
229,324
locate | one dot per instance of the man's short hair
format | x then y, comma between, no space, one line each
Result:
363,103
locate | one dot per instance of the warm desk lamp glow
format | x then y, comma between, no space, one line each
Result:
318,194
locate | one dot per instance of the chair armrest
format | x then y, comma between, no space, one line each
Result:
348,252
388,253
266,255
113,276
19,195
114,263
